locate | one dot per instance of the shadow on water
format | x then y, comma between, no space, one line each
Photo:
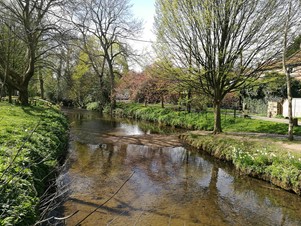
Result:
172,184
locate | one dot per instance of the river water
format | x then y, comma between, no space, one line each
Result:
125,173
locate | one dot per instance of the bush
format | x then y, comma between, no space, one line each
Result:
93,106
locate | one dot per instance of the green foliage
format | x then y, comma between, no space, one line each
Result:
82,67
94,106
272,87
294,46
31,141
165,116
199,121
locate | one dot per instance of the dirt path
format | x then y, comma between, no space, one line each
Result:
279,120
282,140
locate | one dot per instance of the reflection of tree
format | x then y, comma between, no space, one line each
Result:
176,177
251,189
107,165
213,182
212,200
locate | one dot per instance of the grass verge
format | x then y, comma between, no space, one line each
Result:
32,139
264,159
261,159
199,121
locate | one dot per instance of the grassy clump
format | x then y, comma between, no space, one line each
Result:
199,121
166,116
31,141
93,106
261,159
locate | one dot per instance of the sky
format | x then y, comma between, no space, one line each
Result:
144,10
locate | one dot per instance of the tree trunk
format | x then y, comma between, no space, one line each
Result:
287,72
9,90
58,84
1,91
23,95
41,85
112,87
217,117
189,101
162,101
290,107
101,95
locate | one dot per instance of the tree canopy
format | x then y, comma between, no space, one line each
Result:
223,43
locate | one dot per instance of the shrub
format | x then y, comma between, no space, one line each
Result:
93,106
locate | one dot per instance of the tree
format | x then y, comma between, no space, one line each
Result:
222,43
111,23
294,46
161,83
83,86
30,24
179,81
292,17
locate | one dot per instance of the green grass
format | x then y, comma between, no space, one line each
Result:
31,141
200,121
263,159
259,158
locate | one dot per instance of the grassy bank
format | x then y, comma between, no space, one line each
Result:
267,159
32,139
199,121
264,159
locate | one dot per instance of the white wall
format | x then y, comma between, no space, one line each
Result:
296,108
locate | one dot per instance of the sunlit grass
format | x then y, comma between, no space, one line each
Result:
264,159
200,121
31,140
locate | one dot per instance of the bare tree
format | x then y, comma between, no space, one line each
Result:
292,10
111,23
31,25
223,43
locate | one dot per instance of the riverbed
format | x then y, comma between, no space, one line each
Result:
121,172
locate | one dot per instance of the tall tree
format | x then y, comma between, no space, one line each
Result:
30,24
292,10
111,23
223,43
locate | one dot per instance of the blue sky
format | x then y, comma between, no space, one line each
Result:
144,9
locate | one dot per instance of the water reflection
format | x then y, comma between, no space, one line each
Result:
171,185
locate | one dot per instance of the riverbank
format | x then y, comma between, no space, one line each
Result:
265,157
200,121
275,161
32,141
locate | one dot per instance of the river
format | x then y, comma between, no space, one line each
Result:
129,173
